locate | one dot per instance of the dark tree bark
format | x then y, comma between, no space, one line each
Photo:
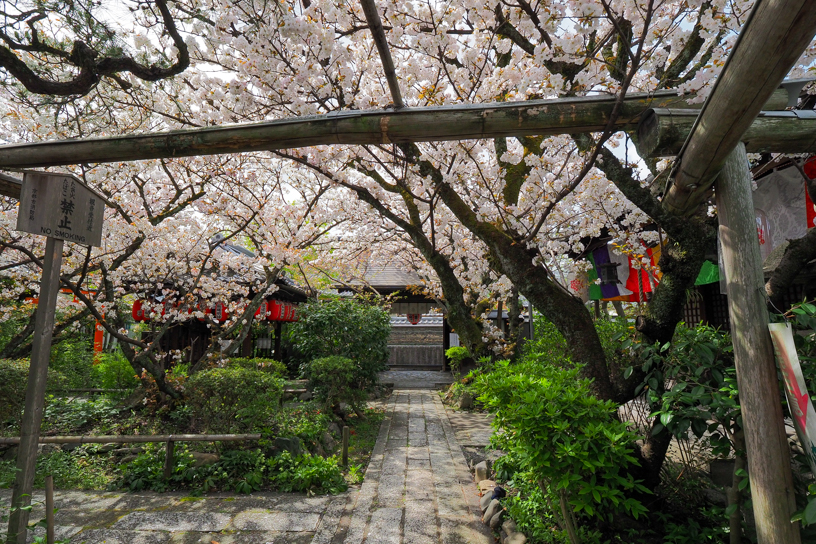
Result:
797,255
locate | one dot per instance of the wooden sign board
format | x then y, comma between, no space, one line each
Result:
60,206
799,403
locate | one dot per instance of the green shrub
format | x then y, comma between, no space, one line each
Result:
305,421
457,356
113,371
347,328
276,368
306,473
227,400
242,471
568,441
337,379
13,381
65,415
71,365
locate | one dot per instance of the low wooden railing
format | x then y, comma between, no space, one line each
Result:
169,439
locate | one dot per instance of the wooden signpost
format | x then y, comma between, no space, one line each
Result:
60,207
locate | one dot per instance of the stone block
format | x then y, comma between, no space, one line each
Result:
482,472
173,521
492,508
465,401
486,485
516,538
204,459
496,520
276,521
484,502
291,444
509,526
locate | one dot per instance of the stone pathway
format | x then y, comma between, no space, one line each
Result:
416,379
417,488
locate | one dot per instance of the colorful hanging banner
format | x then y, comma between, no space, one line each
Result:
799,404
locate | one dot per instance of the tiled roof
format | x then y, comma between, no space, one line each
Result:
381,277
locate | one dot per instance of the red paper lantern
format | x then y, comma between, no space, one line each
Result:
413,319
139,311
220,312
274,311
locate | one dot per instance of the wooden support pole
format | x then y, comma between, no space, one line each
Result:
49,509
775,35
169,459
345,445
35,392
439,123
446,332
378,33
768,456
663,131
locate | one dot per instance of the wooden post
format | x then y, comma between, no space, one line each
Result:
278,334
767,449
49,509
35,392
446,332
168,459
345,445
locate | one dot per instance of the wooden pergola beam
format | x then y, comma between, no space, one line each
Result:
378,33
460,122
663,131
773,39
10,186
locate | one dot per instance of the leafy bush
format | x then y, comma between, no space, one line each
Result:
457,356
346,328
234,399
242,471
68,415
337,379
699,366
276,368
113,371
13,381
304,421
71,365
568,441
306,473
529,508
78,469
